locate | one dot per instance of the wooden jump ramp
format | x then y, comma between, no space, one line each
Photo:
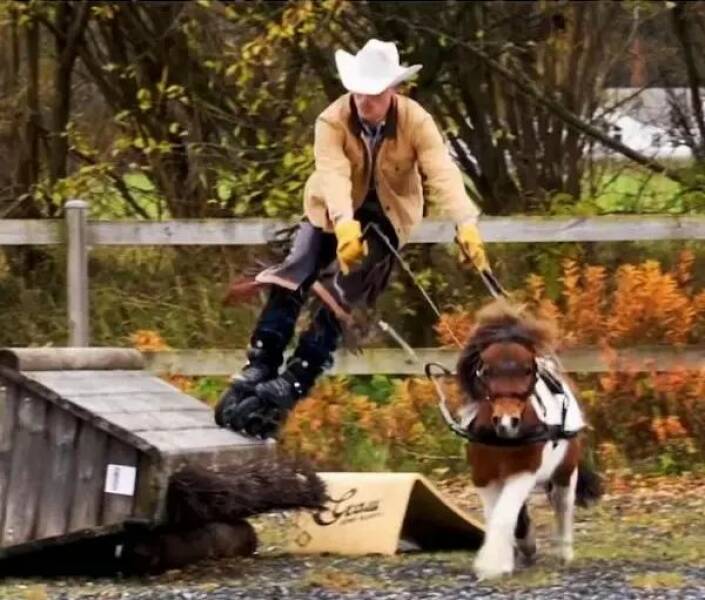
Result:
89,442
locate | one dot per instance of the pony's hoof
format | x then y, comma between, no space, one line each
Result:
526,555
483,573
491,565
567,554
527,547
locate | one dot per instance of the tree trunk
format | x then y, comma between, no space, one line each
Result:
28,168
680,28
70,24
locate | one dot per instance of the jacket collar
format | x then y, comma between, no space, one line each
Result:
390,126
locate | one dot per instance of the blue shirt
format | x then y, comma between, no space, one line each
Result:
372,136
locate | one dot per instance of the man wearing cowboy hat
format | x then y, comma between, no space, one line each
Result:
364,195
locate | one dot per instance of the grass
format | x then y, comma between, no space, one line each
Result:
638,191
657,580
337,580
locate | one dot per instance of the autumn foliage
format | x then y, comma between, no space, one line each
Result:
653,416
635,415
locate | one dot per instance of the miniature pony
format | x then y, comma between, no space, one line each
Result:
498,372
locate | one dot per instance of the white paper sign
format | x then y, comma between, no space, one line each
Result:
120,479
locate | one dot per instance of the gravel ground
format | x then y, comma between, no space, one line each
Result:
410,577
644,540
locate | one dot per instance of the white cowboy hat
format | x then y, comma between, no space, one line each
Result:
373,69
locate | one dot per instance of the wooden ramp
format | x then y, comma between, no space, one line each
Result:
88,441
382,513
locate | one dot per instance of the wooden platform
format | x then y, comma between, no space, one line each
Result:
88,441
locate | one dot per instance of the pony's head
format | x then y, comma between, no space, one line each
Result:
498,364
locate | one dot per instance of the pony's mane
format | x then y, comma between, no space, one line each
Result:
500,318
501,321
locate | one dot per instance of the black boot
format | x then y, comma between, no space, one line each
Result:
266,410
262,413
264,357
294,383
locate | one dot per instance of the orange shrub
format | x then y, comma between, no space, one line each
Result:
633,412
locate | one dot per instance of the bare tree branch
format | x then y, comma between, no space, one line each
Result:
680,28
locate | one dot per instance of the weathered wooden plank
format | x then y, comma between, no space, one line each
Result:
71,359
96,383
29,454
107,405
90,477
166,420
58,481
152,482
196,440
18,232
76,220
396,361
8,421
118,506
208,361
517,228
185,232
612,228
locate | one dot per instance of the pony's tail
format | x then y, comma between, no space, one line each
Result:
589,486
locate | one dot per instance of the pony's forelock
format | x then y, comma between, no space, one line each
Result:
501,321
499,315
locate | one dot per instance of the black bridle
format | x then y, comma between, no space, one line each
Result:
543,433
483,373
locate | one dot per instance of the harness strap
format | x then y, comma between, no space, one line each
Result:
547,433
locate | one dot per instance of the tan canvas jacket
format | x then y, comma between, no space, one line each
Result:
412,145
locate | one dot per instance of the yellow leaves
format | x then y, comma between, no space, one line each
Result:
144,99
584,293
36,592
666,428
327,425
104,12
146,340
452,326
649,305
182,382
610,456
636,304
654,580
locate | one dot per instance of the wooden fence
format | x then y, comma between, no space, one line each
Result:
79,234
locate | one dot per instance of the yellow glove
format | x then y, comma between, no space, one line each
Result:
468,238
351,247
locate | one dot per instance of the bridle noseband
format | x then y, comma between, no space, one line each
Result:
545,433
484,373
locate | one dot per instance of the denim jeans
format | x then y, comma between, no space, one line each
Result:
281,312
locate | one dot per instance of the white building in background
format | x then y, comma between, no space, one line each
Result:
641,119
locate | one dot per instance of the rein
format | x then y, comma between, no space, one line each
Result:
546,433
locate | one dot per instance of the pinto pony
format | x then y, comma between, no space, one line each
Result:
497,373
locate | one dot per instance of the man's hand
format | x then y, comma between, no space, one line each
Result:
351,247
468,238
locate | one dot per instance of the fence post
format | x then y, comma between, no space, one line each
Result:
77,272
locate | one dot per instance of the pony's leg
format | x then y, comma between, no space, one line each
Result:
525,535
496,557
563,502
489,494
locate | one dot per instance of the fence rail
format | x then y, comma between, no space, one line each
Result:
396,362
79,234
247,232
